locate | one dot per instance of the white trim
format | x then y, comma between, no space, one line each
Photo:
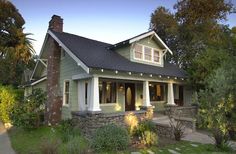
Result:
66,80
81,76
31,78
151,79
148,34
37,81
108,104
40,54
78,61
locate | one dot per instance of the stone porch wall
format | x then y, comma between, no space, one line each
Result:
182,111
89,122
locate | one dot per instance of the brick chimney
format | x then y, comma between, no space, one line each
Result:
54,96
56,23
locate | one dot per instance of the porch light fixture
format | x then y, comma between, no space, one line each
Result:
141,74
168,77
116,72
129,73
175,78
150,75
102,70
159,76
182,79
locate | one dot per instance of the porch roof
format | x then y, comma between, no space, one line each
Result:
96,54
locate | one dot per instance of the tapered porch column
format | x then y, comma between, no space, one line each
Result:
81,95
94,95
170,94
146,95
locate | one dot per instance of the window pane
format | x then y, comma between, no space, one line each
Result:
67,92
107,92
148,53
67,86
156,92
156,56
138,51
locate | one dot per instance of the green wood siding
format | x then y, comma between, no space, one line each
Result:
124,51
68,68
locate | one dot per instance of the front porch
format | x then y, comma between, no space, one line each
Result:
110,95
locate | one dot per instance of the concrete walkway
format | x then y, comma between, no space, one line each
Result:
203,138
5,144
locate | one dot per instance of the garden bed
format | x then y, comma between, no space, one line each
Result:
24,141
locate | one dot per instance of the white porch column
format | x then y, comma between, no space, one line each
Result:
146,95
81,95
94,95
170,99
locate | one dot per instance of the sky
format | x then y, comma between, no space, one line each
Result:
109,21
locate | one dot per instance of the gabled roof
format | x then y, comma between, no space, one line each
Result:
96,54
139,37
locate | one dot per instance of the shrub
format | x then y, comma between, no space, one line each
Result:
76,145
8,99
145,125
49,146
149,138
131,120
109,138
67,130
28,114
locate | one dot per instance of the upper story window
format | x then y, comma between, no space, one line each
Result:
148,53
156,56
138,51
145,53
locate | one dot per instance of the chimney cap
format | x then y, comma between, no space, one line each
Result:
56,23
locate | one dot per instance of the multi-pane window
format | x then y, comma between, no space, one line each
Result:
148,53
138,51
156,56
145,53
157,92
107,92
66,92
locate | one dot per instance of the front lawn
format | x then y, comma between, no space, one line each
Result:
31,142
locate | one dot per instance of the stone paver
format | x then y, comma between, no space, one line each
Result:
173,151
198,137
5,144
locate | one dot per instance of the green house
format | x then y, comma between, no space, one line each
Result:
81,74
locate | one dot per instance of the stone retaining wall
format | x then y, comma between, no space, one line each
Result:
187,122
183,111
164,130
89,122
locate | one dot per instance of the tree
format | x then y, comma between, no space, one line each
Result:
218,101
16,50
191,28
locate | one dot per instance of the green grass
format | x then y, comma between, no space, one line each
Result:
30,141
24,142
185,147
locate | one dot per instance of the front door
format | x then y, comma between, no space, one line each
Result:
129,97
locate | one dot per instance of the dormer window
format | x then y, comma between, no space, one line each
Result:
156,56
147,54
138,51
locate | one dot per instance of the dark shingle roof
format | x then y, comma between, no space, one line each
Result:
95,54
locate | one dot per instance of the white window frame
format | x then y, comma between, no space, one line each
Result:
152,54
64,89
141,52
